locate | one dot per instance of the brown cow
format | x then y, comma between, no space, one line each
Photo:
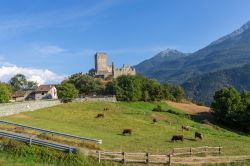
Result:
185,128
177,138
127,131
198,135
100,116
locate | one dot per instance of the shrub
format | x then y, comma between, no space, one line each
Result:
67,92
158,109
5,93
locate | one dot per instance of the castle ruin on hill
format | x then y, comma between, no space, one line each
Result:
103,70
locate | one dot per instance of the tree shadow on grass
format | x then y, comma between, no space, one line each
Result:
208,118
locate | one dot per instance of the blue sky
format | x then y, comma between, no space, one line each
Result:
48,40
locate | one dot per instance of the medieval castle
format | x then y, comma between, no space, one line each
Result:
103,70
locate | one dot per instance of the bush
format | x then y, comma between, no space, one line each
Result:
158,109
5,93
67,92
232,108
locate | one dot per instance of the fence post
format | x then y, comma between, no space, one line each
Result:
205,150
147,158
123,158
30,141
169,161
219,150
70,150
99,156
190,152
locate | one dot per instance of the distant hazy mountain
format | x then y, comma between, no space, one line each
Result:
149,67
229,51
222,56
202,88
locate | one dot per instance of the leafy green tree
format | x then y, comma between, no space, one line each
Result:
67,92
177,92
110,88
18,82
86,84
32,85
5,93
91,72
166,88
128,88
151,90
227,104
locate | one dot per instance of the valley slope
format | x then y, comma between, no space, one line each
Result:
230,52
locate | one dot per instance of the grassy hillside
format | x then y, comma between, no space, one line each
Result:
79,119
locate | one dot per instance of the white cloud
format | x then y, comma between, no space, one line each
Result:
41,76
50,49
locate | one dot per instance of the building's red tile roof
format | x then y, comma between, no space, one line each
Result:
44,88
19,94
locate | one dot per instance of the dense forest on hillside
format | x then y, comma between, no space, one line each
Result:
202,88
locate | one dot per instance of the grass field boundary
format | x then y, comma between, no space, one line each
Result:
148,158
52,132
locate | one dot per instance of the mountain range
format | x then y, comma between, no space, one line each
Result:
224,62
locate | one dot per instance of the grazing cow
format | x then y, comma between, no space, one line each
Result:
100,116
127,131
154,120
185,128
177,138
198,135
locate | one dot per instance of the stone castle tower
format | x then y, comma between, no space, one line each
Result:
103,70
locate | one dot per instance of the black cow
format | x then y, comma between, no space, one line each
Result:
127,131
177,138
198,135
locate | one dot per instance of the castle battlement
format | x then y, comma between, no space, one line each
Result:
103,70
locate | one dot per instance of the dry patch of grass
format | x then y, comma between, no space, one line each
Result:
189,108
22,116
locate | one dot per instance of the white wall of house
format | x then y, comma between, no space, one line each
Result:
51,94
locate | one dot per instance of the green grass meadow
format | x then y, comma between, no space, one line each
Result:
79,119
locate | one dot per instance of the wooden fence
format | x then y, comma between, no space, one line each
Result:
148,158
193,151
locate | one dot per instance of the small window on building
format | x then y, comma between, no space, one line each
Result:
42,93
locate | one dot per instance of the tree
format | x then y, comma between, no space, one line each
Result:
18,82
227,104
32,85
91,72
110,88
177,92
66,92
128,88
5,93
86,84
151,89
